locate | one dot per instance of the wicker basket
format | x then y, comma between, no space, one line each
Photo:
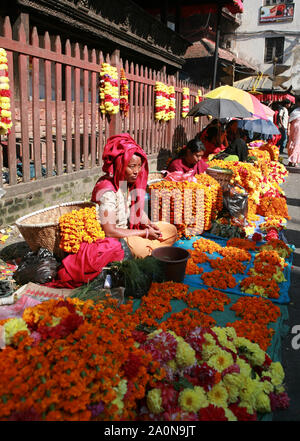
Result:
222,176
41,228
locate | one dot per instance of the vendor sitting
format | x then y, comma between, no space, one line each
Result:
189,158
120,195
212,143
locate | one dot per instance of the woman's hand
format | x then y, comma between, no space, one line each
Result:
155,227
152,234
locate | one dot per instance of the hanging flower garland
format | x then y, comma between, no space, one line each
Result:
109,93
5,113
124,104
185,101
197,101
172,103
161,101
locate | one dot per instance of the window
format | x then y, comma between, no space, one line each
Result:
274,48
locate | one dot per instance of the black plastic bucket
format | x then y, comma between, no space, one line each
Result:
174,260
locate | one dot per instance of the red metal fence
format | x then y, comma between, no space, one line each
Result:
57,125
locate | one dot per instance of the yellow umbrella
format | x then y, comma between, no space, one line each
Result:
247,100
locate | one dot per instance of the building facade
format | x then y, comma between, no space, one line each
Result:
269,38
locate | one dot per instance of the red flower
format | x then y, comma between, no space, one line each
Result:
233,369
204,376
131,366
169,398
241,413
162,347
279,401
212,413
257,237
26,415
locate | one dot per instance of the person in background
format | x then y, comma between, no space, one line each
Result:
283,118
275,107
232,130
212,142
293,145
203,135
239,146
190,157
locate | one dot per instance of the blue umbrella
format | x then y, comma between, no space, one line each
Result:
262,126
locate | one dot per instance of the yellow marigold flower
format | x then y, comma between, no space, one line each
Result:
263,403
192,400
253,352
12,326
172,365
247,405
276,372
234,380
185,354
267,387
220,360
249,391
218,395
119,403
154,401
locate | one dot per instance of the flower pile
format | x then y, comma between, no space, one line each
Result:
77,360
5,113
79,226
124,104
219,279
191,206
109,89
74,361
268,263
211,374
256,313
185,104
273,207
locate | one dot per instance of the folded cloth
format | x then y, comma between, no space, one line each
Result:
84,266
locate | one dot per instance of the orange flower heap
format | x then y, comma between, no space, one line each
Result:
228,264
260,286
273,207
77,227
206,246
207,300
219,279
244,244
80,363
256,314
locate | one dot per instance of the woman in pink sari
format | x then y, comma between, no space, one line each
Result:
293,146
120,194
190,158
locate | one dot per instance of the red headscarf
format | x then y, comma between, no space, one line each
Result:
118,151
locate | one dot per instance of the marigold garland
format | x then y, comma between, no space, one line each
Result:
198,100
109,89
124,104
5,113
185,104
77,227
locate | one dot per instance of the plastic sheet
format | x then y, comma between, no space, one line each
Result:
40,267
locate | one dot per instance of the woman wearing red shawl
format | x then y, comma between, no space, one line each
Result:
212,143
120,194
190,158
